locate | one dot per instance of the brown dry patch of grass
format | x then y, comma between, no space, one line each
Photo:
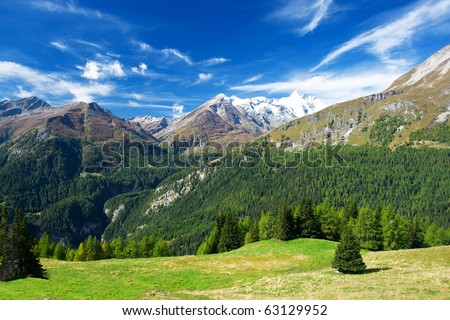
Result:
233,264
410,274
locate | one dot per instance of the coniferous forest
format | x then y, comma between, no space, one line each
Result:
71,204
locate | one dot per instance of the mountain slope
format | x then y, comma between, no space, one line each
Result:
413,110
151,124
10,108
84,121
216,120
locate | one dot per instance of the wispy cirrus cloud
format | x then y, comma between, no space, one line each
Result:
66,7
177,109
254,78
51,84
73,8
59,45
214,61
88,43
178,54
383,40
169,53
305,12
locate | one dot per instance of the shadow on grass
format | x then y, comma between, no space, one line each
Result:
374,270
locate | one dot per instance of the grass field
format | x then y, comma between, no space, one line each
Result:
298,269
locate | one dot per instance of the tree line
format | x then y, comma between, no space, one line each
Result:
93,249
375,229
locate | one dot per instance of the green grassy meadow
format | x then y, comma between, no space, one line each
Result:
297,269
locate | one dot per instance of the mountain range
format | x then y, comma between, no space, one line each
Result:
226,119
221,119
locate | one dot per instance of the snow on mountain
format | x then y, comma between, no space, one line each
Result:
152,124
272,113
440,62
250,116
425,74
29,105
145,120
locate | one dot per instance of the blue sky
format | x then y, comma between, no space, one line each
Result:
167,57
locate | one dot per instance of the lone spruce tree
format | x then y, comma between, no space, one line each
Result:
285,223
229,235
348,257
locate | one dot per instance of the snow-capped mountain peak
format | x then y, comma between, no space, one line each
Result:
145,119
434,69
272,113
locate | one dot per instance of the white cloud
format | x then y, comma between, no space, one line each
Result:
331,87
170,53
177,110
23,93
214,61
134,104
309,13
88,43
137,96
178,54
382,40
203,77
94,70
86,93
254,78
114,55
71,7
140,70
145,46
65,7
91,70
53,84
59,45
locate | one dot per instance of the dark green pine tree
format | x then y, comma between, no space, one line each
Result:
348,257
93,249
369,230
415,234
307,223
161,249
19,260
350,210
3,230
229,234
59,252
285,223
253,234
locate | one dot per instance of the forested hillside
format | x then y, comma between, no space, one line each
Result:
63,188
183,208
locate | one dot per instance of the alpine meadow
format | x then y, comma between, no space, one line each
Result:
288,150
